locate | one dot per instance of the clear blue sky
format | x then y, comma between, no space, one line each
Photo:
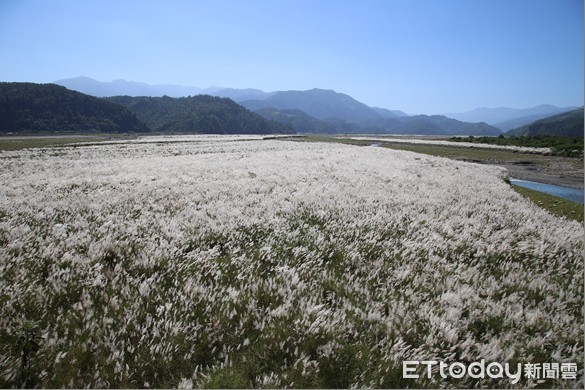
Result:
419,56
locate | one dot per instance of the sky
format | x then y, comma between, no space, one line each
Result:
418,56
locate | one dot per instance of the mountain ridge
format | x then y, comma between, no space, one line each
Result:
121,87
506,118
568,124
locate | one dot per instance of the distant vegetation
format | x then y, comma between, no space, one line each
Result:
198,114
28,108
561,146
563,133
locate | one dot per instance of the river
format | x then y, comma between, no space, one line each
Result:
572,194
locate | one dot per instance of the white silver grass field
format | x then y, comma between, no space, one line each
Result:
267,263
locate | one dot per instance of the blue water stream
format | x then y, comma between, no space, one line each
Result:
572,194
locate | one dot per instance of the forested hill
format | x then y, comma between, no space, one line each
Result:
568,124
29,108
199,114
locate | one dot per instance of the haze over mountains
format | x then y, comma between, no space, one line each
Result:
320,105
133,88
121,87
505,118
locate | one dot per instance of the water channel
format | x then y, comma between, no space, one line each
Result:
572,194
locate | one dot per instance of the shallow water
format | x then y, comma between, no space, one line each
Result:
572,194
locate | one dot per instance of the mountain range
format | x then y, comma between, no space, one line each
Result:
505,118
48,107
319,104
569,124
28,108
120,87
333,112
321,109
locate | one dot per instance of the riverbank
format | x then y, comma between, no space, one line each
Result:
560,171
554,204
556,170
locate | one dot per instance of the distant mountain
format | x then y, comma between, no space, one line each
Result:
48,108
201,114
518,122
319,103
414,125
570,124
504,117
122,87
389,113
239,95
301,122
433,125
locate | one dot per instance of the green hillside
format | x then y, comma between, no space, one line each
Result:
28,108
